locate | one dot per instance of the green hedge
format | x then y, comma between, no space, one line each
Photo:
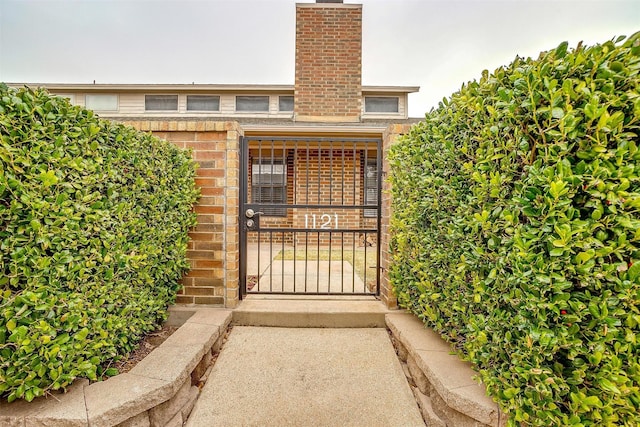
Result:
93,234
516,232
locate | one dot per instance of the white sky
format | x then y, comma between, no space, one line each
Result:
434,44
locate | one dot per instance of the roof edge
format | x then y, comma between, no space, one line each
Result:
195,87
154,86
394,89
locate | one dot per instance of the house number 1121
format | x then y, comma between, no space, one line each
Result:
324,221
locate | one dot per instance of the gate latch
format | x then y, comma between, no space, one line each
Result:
250,213
253,219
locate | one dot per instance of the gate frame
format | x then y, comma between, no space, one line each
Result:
244,193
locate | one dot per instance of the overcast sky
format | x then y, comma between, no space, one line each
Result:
434,44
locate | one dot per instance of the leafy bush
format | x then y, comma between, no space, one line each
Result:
93,234
516,232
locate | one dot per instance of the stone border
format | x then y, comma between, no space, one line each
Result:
160,390
442,383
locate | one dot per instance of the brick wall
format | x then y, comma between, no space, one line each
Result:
386,290
214,247
328,62
321,181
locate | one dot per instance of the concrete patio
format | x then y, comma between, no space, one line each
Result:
271,272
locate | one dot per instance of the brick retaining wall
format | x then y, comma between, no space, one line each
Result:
214,247
159,391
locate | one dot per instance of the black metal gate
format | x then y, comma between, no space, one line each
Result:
310,216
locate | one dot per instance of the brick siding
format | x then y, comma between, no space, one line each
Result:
387,294
214,247
328,79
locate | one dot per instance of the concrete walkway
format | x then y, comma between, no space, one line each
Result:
276,274
306,377
312,276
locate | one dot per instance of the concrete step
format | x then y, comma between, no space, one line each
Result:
311,313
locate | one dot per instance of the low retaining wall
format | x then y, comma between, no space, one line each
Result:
159,391
443,384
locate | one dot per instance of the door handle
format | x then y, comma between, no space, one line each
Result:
250,213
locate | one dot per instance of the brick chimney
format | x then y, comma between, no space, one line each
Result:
328,84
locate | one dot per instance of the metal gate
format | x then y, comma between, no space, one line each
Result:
310,216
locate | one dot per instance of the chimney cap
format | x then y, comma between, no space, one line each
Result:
329,1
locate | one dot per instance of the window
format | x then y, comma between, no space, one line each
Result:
252,103
203,103
161,102
381,104
101,102
269,184
371,187
285,103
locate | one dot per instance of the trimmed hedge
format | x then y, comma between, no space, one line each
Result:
94,218
516,232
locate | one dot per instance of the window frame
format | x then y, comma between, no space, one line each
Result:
88,95
161,110
217,110
380,97
370,185
280,103
238,97
257,188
